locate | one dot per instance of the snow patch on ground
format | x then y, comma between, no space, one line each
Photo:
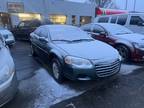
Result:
50,91
128,69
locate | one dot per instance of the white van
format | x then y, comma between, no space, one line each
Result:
133,21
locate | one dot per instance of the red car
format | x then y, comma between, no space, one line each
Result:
130,45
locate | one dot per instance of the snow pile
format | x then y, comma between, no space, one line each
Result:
128,69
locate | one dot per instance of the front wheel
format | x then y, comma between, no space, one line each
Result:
124,52
33,53
57,71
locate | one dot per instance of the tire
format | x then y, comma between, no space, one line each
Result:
124,52
57,71
33,53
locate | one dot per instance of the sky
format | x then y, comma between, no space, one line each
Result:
122,4
139,4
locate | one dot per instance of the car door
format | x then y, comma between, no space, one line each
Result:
42,43
99,33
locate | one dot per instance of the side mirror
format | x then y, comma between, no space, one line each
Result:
43,39
6,42
140,24
103,33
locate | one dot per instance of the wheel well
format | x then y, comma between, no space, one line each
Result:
52,56
119,44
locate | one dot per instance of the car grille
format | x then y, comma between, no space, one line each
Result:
107,69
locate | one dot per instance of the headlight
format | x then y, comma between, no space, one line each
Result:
78,62
5,74
120,58
138,45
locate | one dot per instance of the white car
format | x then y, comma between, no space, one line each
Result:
133,21
8,80
8,36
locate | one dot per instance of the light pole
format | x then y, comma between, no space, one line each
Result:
126,4
45,9
134,5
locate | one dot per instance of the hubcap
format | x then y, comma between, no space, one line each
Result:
122,53
55,70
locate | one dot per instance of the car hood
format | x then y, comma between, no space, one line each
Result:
135,37
90,50
5,32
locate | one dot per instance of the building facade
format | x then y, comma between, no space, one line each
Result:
58,11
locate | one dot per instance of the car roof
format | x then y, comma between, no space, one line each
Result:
57,26
121,14
106,24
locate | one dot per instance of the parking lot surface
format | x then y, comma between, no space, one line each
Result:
37,89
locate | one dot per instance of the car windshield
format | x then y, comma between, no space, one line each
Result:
69,34
117,29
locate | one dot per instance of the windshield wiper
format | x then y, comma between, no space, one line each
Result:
82,40
62,40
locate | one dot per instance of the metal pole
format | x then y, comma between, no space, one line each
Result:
126,4
45,9
134,5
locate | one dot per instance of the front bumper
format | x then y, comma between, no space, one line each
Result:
138,55
8,90
93,73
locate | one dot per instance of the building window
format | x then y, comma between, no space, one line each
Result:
58,19
73,20
5,20
103,19
85,20
28,16
122,20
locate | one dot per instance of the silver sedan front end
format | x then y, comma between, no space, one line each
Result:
8,89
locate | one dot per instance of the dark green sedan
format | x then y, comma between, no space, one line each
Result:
73,54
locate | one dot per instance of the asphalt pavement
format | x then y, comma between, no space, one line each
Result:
37,88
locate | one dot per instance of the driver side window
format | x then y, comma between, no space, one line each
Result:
44,33
41,32
98,30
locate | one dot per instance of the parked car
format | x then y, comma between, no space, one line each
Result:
130,45
8,80
24,28
133,21
8,36
73,53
